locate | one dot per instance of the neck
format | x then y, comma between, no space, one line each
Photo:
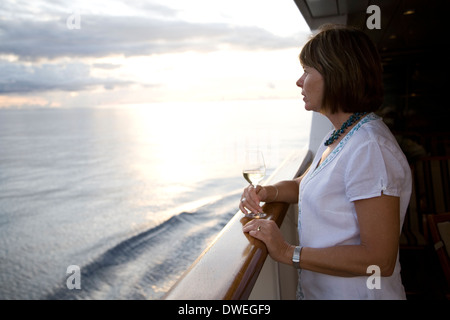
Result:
342,122
337,119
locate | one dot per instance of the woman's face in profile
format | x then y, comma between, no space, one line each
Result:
312,85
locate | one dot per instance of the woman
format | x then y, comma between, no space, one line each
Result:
353,198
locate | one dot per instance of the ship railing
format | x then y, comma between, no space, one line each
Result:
236,266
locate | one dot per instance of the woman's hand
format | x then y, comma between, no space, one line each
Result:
268,232
251,197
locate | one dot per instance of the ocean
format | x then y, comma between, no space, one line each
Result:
128,196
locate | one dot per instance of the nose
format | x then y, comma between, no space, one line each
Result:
299,82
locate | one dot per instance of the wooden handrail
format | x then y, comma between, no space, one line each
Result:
229,267
243,283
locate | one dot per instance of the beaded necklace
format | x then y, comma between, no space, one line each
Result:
336,133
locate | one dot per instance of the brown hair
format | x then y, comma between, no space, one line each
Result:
351,67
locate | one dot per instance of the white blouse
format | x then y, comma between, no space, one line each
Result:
366,163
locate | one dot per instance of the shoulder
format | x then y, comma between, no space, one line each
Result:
375,163
374,145
374,133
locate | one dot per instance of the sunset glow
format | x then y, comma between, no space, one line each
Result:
89,54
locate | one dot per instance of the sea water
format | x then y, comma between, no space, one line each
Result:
129,195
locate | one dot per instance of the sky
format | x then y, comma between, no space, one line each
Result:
96,53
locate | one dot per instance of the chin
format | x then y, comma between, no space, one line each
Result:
309,108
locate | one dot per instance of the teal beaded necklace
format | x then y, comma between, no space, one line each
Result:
336,133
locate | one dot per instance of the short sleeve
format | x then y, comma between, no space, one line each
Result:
373,169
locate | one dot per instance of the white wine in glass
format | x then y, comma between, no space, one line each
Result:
254,171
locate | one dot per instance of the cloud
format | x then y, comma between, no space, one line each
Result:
107,66
101,36
19,78
39,53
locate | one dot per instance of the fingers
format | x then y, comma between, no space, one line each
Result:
250,200
268,232
262,229
256,228
249,226
259,225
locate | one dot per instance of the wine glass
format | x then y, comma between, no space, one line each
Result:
254,171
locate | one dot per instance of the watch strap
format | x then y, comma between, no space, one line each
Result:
296,257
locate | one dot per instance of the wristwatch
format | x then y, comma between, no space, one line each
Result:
296,257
